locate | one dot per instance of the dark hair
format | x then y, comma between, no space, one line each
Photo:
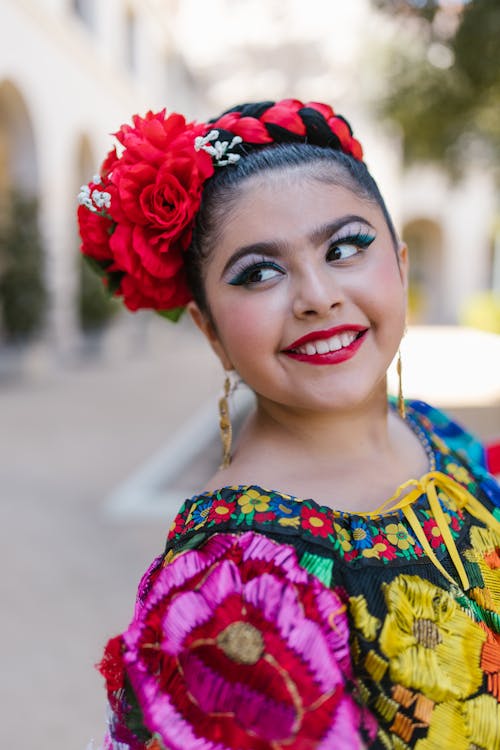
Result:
221,192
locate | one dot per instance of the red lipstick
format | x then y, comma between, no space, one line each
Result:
329,358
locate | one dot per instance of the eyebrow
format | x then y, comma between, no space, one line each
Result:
275,249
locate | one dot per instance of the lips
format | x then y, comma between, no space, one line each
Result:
331,346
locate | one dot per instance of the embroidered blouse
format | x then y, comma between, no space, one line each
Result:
276,623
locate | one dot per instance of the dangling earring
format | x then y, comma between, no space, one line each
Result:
225,427
401,401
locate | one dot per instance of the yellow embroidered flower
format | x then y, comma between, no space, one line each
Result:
462,726
432,645
251,500
343,537
485,552
398,535
459,473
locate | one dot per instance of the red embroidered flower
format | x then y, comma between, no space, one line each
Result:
176,527
238,647
433,533
111,664
316,522
384,549
220,511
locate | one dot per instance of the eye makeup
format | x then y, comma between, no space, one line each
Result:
249,271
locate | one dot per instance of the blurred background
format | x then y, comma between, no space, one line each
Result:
107,419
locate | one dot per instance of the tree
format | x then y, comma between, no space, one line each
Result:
444,81
22,294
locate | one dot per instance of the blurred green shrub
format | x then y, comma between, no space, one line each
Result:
482,311
23,297
95,306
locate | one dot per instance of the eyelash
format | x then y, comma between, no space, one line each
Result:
360,239
243,276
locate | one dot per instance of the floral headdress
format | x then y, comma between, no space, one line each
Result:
136,216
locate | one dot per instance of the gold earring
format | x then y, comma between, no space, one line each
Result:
225,427
401,400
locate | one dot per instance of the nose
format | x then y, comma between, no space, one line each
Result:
316,293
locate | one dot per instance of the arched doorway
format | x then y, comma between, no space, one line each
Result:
22,287
424,238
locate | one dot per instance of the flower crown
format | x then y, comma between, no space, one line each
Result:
136,216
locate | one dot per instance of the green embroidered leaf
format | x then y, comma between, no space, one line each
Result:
319,566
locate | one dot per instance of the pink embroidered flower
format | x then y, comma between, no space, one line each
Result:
239,648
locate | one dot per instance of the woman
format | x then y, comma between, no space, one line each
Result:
335,583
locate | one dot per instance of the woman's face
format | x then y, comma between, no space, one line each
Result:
307,293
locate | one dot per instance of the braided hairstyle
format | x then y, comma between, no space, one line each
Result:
309,137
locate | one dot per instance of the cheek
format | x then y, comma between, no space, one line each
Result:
248,327
387,292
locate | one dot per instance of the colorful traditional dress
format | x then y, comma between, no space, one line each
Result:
275,623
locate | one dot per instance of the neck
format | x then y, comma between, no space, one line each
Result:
342,437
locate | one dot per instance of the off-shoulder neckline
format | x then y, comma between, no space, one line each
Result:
425,438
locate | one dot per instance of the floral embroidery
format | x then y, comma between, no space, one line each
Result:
459,473
432,645
343,538
398,535
433,533
317,523
221,648
200,512
361,535
382,549
472,725
251,501
220,511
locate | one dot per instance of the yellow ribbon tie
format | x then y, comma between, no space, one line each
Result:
429,484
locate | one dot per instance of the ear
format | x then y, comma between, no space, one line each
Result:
201,321
403,263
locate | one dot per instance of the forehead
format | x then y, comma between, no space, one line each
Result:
288,206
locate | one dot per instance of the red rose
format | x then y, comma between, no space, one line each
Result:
95,231
154,190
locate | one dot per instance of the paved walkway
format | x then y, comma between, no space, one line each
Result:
70,572
67,440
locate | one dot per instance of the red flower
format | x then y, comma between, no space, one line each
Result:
317,523
220,511
236,643
176,526
111,664
385,549
433,533
95,231
155,191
